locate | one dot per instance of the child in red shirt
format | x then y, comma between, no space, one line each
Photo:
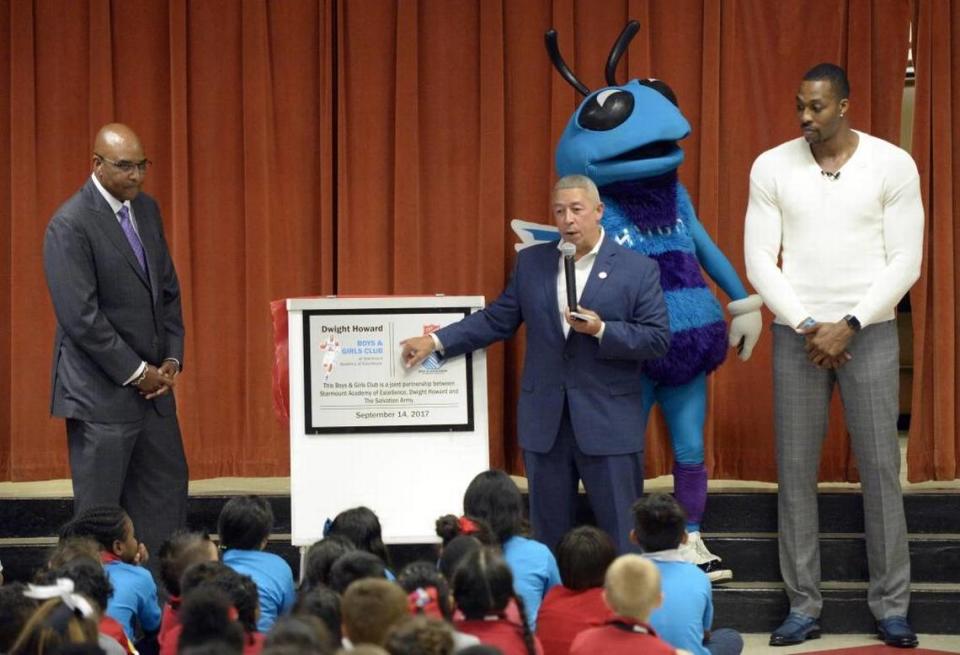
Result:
583,556
177,554
482,589
632,592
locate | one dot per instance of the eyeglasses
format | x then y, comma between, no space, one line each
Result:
127,166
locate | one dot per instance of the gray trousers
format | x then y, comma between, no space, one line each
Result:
868,388
140,466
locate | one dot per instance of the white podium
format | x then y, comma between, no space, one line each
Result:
366,431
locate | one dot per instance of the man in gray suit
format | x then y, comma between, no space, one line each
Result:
119,342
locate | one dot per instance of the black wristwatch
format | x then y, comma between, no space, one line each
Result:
852,322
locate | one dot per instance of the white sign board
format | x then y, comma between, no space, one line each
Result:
364,430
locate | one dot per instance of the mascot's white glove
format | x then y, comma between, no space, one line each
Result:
746,324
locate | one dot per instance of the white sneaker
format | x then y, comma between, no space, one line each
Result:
696,552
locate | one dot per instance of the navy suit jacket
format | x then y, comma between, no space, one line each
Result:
110,314
600,380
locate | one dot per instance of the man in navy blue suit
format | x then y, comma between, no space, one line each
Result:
580,414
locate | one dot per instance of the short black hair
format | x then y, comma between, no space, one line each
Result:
205,620
583,556
320,558
178,553
355,565
240,589
245,521
361,527
493,496
482,583
197,574
323,603
833,74
659,522
103,523
302,634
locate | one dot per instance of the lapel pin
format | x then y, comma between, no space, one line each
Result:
602,275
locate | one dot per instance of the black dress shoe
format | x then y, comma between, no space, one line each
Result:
895,631
796,629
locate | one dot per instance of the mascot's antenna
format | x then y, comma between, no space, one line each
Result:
550,38
619,47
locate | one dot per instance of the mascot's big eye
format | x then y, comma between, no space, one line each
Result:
606,110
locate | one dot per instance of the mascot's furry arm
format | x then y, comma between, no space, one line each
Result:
746,323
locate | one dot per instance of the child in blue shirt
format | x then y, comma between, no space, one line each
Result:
493,497
244,525
134,601
685,617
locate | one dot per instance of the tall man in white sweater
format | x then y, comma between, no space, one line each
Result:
843,211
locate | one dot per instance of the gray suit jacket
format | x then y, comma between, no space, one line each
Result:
110,314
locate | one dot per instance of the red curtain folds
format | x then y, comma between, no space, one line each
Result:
381,147
233,102
934,451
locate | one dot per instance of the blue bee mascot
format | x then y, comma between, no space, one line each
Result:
625,139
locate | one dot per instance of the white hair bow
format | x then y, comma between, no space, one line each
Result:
63,589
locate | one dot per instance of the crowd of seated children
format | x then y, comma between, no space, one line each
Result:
686,615
95,596
244,526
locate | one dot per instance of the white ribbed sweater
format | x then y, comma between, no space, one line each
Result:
848,246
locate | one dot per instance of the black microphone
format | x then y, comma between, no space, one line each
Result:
569,250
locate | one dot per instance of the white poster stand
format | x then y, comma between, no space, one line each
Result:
366,431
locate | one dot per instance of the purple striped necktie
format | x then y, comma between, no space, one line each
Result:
132,237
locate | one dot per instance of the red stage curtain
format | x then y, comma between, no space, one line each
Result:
233,102
934,452
380,147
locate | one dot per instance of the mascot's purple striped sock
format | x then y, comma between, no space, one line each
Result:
690,489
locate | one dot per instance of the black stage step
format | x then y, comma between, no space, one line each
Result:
761,606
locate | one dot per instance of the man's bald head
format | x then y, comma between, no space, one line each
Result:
118,161
114,135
